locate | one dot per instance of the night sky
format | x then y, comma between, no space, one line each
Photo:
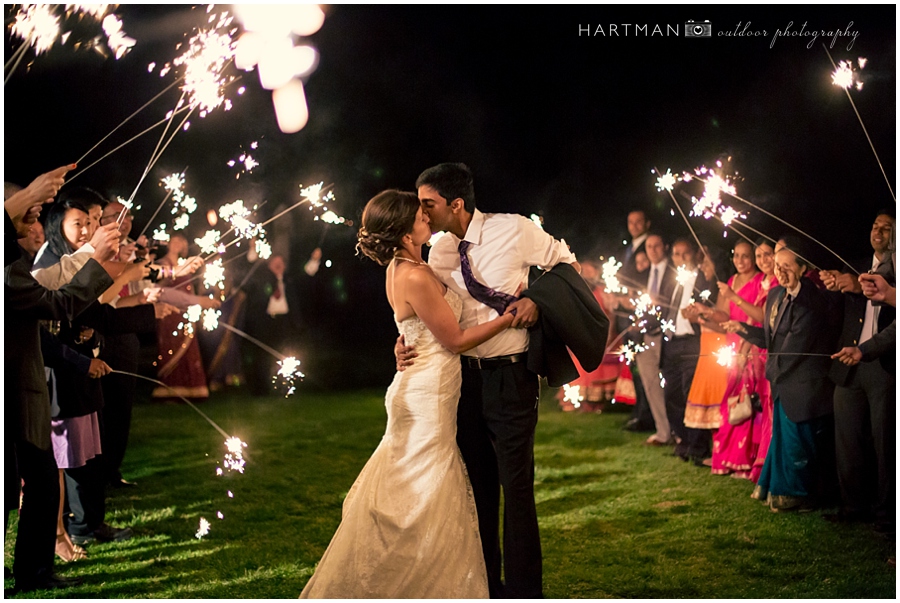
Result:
550,122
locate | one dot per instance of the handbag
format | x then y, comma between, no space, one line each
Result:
739,407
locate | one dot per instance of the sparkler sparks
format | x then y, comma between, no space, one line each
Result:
263,249
610,270
245,161
667,181
208,53
211,319
538,220
629,350
845,76
160,234
234,458
209,243
573,395
704,295
684,276
214,275
331,218
37,25
725,355
203,530
289,372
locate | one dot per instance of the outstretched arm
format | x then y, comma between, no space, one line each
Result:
425,295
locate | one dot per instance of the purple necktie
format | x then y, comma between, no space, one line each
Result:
482,293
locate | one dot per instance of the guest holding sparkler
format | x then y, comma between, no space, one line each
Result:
864,402
27,399
795,333
179,363
661,277
691,383
733,445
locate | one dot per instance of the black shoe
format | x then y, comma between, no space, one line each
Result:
47,581
107,533
122,483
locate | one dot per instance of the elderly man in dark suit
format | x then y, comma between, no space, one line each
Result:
864,402
27,402
797,336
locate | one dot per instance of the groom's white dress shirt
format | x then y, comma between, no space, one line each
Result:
503,248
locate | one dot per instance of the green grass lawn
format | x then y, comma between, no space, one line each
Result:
617,519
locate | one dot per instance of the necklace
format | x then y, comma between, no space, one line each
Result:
400,257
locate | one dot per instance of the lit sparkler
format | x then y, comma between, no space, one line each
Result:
704,295
246,162
331,218
234,458
209,243
214,275
37,25
725,355
683,276
667,181
208,53
610,278
211,319
845,77
629,350
161,235
203,530
573,395
263,249
289,372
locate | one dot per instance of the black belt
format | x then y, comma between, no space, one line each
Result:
493,363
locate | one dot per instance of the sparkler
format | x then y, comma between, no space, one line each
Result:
573,395
234,458
245,160
214,275
668,189
610,270
629,350
203,530
211,319
725,355
289,365
843,77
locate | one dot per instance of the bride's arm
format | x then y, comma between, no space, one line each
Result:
425,295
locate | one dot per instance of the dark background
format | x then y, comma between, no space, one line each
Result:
551,122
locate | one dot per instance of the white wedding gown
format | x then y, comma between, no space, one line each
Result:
409,528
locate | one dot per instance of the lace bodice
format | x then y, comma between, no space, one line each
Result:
418,335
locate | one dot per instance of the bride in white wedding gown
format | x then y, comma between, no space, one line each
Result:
409,529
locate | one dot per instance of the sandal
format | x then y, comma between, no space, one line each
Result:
67,551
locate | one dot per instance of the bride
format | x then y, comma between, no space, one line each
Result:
409,528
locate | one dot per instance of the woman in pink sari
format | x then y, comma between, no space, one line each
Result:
733,445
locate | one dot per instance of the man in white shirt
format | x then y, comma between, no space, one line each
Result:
648,360
864,401
497,411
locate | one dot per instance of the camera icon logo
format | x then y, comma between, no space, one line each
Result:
694,29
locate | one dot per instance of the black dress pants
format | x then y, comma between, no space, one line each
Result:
866,441
496,419
119,391
86,495
679,361
36,538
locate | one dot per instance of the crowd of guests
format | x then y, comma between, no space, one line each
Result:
770,370
79,292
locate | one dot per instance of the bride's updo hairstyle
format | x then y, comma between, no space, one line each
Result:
387,218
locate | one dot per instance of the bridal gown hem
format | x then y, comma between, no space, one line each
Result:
409,528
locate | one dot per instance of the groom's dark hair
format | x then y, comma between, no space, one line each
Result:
451,181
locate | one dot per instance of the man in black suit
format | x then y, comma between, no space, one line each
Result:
27,402
273,316
864,403
642,418
680,350
796,333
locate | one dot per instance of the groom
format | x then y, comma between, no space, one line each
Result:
484,258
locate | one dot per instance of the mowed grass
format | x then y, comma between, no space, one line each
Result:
617,519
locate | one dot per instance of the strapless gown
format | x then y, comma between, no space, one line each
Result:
409,528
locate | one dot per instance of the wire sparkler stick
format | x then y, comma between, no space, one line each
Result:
127,142
686,221
166,198
186,401
866,132
127,119
153,161
17,55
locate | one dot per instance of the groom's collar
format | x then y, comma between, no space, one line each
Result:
473,232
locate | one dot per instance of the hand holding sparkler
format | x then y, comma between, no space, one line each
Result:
850,356
876,288
733,326
24,206
105,243
98,369
191,266
838,281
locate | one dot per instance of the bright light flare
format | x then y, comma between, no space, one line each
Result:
211,319
667,181
684,276
725,355
289,372
209,243
203,529
572,395
629,350
234,458
214,275
610,270
37,25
